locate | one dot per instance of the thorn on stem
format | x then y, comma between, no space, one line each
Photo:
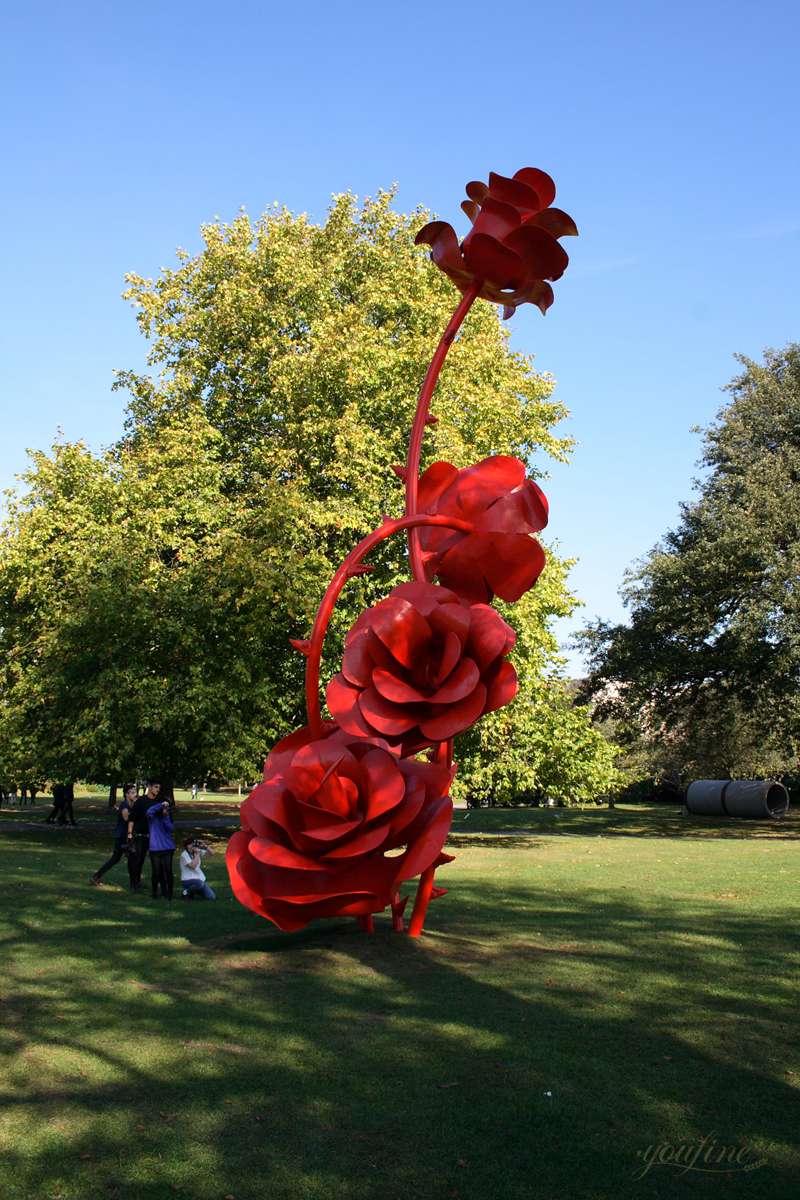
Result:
400,472
301,644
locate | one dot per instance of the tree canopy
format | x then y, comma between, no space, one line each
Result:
148,593
707,672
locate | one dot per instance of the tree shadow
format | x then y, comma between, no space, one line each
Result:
662,822
532,1043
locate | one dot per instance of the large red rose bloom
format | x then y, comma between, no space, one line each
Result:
316,834
512,248
501,556
422,666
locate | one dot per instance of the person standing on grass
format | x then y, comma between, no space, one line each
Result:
59,806
69,800
162,847
120,833
193,879
139,833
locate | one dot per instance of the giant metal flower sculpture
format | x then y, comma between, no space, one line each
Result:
512,248
500,555
346,812
421,667
320,831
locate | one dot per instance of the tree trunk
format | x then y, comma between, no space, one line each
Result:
112,795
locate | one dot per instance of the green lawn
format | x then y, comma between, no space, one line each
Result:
593,984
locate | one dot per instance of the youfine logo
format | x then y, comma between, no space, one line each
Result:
705,1154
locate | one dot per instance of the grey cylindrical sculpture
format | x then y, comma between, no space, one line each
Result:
737,798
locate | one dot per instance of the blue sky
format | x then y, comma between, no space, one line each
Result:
671,131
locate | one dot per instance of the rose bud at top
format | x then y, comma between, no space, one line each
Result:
512,248
500,556
422,666
316,834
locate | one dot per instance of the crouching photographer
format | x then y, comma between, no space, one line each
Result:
193,879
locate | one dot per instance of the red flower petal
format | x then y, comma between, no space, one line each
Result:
326,833
539,293
514,564
236,859
515,192
524,508
495,220
503,688
433,775
273,804
417,796
311,765
441,238
342,700
432,483
474,488
251,816
338,795
476,190
424,597
455,718
543,256
464,566
460,684
453,646
387,718
541,183
370,839
274,855
401,627
427,844
495,261
556,222
532,291
357,662
385,786
396,690
451,618
489,636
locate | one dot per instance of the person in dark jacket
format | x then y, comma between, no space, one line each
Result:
69,800
120,833
162,848
59,803
139,833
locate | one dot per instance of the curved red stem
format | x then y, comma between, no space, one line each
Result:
344,572
444,755
422,414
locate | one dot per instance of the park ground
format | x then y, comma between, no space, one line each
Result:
595,986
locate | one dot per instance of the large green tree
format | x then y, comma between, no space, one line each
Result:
285,358
125,605
706,675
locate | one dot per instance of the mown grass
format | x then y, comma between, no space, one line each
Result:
606,982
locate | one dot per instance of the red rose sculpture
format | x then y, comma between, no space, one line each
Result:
512,248
421,666
317,832
344,815
501,556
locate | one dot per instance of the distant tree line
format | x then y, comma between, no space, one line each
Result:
704,678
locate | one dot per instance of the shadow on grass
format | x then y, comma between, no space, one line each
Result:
530,1045
664,821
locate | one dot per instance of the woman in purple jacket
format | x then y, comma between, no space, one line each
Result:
162,847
